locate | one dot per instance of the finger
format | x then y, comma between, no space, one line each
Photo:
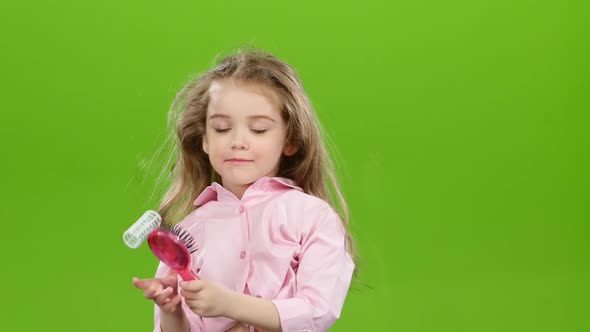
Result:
141,283
189,295
193,285
152,290
194,305
172,304
162,297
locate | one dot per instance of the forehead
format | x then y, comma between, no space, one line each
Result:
238,98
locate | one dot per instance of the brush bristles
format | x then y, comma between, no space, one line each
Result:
183,235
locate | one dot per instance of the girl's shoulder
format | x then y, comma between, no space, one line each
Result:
298,203
301,199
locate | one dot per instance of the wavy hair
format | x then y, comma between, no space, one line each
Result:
310,167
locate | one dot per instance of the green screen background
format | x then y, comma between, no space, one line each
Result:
459,130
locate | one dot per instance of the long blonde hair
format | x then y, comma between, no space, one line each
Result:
310,167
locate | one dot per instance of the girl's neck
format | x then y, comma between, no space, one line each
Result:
237,190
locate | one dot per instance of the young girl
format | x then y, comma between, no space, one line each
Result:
254,182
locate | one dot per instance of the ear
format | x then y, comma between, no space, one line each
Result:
205,145
289,150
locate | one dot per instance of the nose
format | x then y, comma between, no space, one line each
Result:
239,143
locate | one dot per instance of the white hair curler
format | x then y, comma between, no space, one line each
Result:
139,231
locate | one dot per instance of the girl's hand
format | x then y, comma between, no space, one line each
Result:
207,298
163,291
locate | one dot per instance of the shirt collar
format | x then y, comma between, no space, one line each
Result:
216,192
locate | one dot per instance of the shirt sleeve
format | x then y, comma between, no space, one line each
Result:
323,277
195,321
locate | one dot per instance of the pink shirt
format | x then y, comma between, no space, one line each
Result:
277,243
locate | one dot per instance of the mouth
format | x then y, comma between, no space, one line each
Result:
238,161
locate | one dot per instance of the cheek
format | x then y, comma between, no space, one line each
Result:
270,148
216,143
216,153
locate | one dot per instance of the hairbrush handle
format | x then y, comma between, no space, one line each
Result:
187,275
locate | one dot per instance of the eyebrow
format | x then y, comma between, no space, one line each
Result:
253,117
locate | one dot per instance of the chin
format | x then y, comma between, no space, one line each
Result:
241,180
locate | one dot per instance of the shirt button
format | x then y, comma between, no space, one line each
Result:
241,209
242,255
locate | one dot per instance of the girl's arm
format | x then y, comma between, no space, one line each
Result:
207,298
173,316
170,316
323,277
174,321
255,311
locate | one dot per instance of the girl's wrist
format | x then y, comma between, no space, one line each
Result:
233,308
175,320
254,311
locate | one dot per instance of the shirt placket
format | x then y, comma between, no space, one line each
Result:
245,251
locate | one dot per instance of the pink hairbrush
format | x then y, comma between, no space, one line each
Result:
174,246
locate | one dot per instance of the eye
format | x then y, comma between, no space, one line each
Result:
259,131
221,130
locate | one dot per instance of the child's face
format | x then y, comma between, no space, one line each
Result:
245,133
